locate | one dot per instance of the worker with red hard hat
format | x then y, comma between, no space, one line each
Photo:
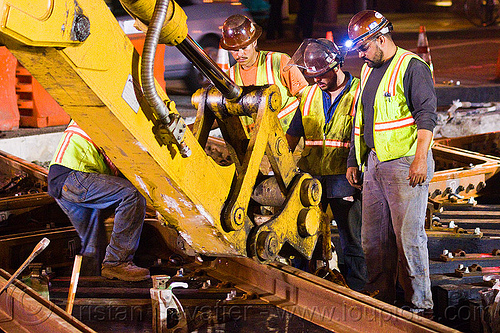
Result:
393,131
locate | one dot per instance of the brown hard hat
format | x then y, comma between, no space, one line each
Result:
365,25
316,57
238,32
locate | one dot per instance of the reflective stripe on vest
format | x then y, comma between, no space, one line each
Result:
391,89
353,106
72,129
309,98
292,107
392,117
328,143
268,72
390,125
269,68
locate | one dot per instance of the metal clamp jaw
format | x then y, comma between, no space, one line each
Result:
173,133
168,314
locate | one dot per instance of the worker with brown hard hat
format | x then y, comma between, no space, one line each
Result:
325,119
258,68
395,119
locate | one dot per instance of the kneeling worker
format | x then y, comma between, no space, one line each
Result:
85,184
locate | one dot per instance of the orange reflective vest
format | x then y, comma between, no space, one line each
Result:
268,72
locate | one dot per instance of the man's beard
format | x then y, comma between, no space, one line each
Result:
377,59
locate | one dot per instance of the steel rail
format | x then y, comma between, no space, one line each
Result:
23,310
317,300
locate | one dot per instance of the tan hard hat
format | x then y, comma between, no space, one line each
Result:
238,32
365,25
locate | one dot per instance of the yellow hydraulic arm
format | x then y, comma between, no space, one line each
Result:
78,52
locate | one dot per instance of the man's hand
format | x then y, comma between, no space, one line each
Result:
353,177
418,171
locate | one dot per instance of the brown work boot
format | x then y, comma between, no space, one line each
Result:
125,271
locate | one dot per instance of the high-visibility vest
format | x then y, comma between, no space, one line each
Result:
268,72
394,129
327,145
77,151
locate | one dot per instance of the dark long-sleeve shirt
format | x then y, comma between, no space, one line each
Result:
420,98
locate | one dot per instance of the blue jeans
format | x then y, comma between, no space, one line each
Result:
393,234
347,214
88,198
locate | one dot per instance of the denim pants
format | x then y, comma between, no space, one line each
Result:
89,198
393,233
347,214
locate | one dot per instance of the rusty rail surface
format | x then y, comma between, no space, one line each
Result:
317,300
11,163
469,158
461,174
23,310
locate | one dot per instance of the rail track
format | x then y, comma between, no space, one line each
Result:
461,174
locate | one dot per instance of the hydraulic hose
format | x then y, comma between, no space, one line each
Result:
147,63
148,79
173,34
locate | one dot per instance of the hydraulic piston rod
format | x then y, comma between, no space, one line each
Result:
172,33
191,50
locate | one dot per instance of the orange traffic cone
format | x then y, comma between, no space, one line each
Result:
329,36
223,59
423,48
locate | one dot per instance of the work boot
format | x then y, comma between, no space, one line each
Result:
426,313
125,271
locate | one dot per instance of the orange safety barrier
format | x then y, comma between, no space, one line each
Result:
497,76
9,114
36,107
159,66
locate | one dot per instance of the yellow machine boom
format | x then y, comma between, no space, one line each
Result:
81,56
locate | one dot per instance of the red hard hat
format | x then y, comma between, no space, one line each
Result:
238,32
365,25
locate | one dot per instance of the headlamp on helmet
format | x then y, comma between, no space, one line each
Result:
365,25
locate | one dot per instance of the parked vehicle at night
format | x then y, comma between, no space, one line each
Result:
205,19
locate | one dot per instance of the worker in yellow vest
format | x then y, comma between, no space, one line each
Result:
258,68
88,188
324,119
395,119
